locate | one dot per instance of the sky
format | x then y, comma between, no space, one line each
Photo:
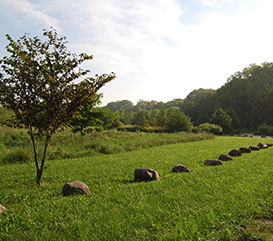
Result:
159,49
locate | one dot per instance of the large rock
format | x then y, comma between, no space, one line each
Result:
180,168
210,162
145,174
225,157
244,150
254,148
2,209
235,152
76,187
262,145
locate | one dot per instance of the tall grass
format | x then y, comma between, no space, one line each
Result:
16,144
209,203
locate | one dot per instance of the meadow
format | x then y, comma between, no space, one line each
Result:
228,202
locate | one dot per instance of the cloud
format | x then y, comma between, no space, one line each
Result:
23,8
154,54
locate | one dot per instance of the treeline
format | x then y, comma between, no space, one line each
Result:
245,101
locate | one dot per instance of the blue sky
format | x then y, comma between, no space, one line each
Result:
159,49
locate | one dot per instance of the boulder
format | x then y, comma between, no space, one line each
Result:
252,136
225,157
145,174
244,150
210,162
262,145
263,136
180,168
244,135
254,148
2,209
76,187
235,152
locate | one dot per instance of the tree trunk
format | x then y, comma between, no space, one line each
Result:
41,169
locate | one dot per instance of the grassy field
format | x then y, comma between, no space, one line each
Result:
225,202
15,145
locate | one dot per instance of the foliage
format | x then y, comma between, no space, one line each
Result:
178,121
89,117
210,128
222,119
265,130
235,122
65,145
162,117
143,123
38,84
5,114
210,203
248,92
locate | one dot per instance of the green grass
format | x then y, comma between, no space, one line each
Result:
15,145
210,203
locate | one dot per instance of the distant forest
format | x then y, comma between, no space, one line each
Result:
244,101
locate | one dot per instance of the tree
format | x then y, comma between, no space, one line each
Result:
161,117
178,121
202,118
235,122
143,122
37,82
89,117
222,119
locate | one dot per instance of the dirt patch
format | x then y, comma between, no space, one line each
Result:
259,229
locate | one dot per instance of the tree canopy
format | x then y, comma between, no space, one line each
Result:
37,82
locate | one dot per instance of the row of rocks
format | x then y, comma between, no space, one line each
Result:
235,152
141,174
147,174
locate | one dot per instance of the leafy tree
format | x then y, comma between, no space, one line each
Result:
161,117
222,119
37,82
124,104
153,114
89,117
235,122
143,122
178,121
202,118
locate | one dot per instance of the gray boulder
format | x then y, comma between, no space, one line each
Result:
235,152
180,168
254,148
210,162
76,187
2,209
225,157
262,145
244,150
146,174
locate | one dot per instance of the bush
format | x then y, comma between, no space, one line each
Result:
17,156
265,130
210,128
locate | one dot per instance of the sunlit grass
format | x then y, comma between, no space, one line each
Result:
209,203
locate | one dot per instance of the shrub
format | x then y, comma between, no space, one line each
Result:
265,130
17,156
210,128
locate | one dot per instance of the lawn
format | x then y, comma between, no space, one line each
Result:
209,203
